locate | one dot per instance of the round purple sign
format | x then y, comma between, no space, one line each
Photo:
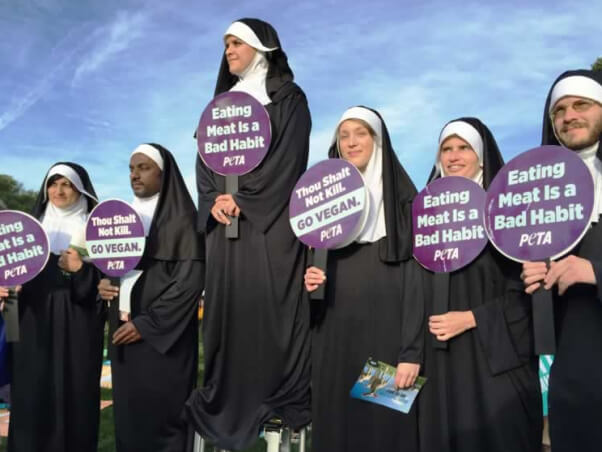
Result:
115,237
329,205
447,222
24,248
539,204
234,133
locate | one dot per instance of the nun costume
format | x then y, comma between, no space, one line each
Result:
152,377
56,365
256,318
483,390
575,394
372,308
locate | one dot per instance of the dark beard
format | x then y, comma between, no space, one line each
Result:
593,138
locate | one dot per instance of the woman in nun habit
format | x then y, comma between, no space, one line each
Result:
575,394
256,318
154,351
483,390
56,365
373,305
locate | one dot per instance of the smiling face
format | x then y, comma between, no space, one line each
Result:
356,142
239,54
577,121
145,176
61,192
458,158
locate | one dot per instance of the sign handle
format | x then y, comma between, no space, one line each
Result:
440,303
320,260
114,318
232,188
10,315
543,320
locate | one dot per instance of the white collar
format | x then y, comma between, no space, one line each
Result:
589,157
63,224
146,209
253,79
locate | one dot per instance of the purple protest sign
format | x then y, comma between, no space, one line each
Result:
115,237
539,204
329,205
447,222
24,248
234,133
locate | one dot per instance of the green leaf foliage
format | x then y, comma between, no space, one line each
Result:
13,196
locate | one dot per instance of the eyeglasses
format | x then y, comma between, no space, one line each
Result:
580,106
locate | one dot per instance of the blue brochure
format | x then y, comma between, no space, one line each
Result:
376,384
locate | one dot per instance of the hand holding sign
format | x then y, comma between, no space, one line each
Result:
313,278
70,261
569,271
106,290
225,207
533,275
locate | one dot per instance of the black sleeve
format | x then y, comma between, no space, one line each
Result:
207,192
167,317
597,265
413,311
265,192
501,324
84,285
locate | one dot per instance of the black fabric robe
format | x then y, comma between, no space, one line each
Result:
575,394
373,308
56,365
482,392
256,320
153,377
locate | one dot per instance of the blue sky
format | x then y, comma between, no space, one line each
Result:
88,80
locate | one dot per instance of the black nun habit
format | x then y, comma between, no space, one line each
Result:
483,390
153,377
575,394
372,308
56,365
256,319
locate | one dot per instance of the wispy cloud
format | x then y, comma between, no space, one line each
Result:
110,40
142,71
66,51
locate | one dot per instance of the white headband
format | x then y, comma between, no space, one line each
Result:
69,173
465,131
151,152
244,32
365,115
576,85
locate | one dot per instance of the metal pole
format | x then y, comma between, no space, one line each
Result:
285,443
199,443
302,435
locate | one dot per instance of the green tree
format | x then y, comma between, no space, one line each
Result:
14,196
597,66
